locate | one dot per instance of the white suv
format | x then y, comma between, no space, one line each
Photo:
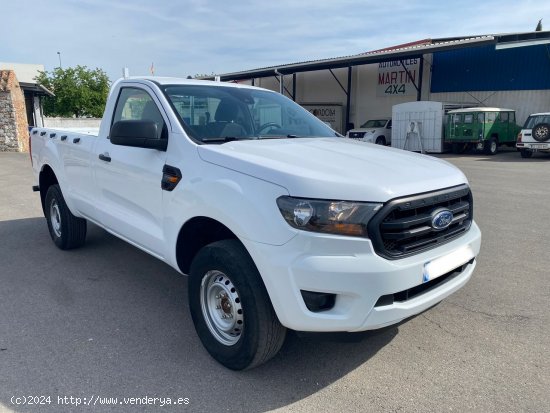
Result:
535,135
375,131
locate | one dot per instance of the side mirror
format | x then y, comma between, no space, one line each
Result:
137,133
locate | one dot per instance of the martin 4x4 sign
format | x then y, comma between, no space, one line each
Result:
397,78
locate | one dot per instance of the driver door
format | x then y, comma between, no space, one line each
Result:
128,179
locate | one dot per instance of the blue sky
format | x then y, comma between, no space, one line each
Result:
190,37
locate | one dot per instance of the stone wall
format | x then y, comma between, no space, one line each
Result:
14,129
8,129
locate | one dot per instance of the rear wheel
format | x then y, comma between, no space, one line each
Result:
526,153
491,146
230,307
66,230
460,147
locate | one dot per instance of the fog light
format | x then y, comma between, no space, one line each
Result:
317,302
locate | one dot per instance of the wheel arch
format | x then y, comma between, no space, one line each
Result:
196,233
46,179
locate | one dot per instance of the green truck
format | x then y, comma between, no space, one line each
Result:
481,128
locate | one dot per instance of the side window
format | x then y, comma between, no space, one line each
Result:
504,116
468,118
481,117
136,104
388,126
513,117
491,117
457,118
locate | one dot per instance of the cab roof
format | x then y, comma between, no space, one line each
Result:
467,110
161,81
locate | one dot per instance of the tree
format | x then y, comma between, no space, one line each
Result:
79,91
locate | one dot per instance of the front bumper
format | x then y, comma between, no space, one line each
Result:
349,268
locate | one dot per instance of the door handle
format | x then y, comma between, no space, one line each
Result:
105,157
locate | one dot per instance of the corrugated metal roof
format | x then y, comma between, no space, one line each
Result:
382,55
408,50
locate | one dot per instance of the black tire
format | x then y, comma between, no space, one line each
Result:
526,153
455,149
224,275
491,146
459,148
66,230
381,140
541,132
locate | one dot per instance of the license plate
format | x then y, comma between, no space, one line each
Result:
442,265
539,146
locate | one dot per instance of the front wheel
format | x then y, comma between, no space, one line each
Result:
381,140
230,307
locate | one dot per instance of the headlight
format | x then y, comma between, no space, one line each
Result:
331,217
368,136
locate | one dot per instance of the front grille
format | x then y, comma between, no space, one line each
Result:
403,227
356,135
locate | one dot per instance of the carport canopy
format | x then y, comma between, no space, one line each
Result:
396,53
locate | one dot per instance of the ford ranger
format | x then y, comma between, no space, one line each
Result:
279,222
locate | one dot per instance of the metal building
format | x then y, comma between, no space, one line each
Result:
506,70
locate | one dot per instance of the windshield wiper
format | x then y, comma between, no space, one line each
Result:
279,136
225,139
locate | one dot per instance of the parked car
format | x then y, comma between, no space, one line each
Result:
481,128
278,221
375,131
535,135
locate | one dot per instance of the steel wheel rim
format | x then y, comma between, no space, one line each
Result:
221,307
55,218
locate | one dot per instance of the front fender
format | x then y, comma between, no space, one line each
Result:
244,204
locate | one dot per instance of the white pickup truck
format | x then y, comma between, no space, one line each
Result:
279,222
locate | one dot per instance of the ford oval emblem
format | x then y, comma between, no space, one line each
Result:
441,218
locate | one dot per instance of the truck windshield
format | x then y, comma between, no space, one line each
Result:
532,121
378,123
217,114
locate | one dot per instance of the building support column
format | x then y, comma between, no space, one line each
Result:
348,100
420,75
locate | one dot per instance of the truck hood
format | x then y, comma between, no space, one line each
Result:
335,168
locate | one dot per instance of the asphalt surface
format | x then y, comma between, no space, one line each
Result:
107,320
